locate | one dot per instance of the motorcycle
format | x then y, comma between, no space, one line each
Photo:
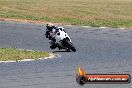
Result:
62,40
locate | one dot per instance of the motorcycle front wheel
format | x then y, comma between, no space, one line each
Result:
68,44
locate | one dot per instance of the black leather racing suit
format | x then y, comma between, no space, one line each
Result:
48,30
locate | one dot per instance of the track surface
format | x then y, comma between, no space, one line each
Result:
98,51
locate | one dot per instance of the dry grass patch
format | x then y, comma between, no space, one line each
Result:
113,13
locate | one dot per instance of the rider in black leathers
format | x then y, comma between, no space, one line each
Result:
49,31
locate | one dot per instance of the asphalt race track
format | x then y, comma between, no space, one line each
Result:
98,51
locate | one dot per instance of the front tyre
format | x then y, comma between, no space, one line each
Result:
68,44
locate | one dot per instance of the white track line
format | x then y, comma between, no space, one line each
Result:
51,56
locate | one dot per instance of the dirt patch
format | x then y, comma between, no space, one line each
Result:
41,22
30,21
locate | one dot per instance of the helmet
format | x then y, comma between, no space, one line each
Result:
49,25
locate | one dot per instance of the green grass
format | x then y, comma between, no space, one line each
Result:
7,54
111,13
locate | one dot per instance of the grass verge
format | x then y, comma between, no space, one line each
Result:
111,13
13,54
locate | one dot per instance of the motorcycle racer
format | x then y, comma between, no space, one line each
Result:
50,33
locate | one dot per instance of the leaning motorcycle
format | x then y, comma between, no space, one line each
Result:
63,41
